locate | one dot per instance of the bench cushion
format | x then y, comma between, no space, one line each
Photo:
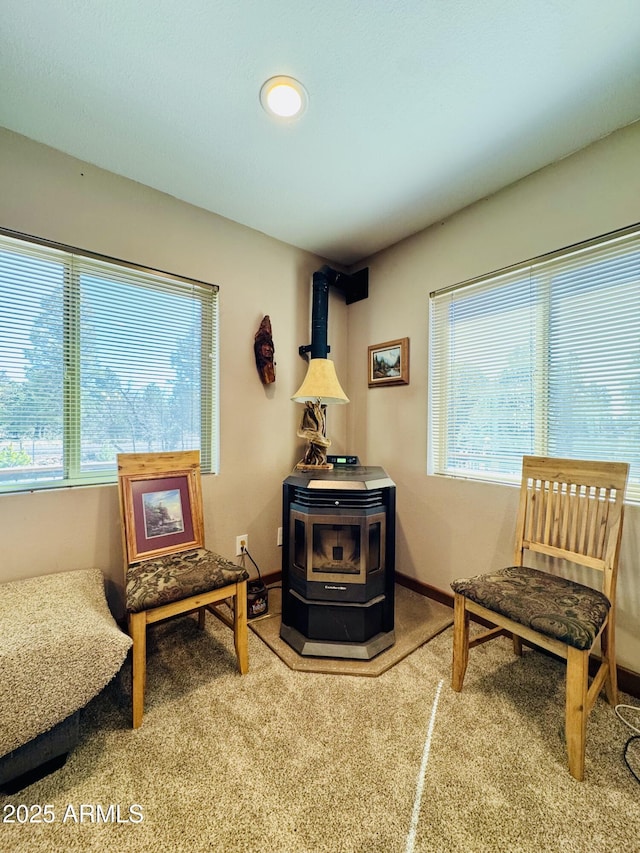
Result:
59,646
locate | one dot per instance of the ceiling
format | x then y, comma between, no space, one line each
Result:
417,108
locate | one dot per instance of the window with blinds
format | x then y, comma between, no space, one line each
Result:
98,357
542,358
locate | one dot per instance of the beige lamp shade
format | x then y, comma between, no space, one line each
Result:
320,383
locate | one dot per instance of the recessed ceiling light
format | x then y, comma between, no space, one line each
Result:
283,97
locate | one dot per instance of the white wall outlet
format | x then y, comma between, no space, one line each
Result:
279,536
242,540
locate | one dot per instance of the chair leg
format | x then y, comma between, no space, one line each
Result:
576,711
240,630
202,612
138,633
608,654
460,641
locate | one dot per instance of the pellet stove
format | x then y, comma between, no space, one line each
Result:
338,562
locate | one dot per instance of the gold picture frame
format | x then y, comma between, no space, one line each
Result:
388,363
163,511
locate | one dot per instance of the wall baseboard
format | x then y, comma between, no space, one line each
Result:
628,681
271,579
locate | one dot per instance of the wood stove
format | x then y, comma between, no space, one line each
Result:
338,562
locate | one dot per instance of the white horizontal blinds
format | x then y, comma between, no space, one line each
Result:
31,363
594,353
139,362
136,358
543,359
482,376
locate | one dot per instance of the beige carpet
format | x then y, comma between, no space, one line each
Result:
281,761
417,619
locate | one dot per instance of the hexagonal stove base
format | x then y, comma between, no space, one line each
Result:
335,649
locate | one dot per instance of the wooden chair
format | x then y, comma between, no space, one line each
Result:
168,569
569,510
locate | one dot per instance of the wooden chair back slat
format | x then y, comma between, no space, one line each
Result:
572,510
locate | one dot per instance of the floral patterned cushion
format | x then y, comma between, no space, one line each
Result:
559,608
177,576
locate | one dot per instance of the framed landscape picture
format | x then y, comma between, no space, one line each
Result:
388,363
161,515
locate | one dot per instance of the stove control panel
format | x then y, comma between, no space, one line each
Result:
343,460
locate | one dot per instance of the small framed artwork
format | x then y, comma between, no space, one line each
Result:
388,363
162,514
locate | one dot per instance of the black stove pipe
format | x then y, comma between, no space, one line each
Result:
322,279
354,286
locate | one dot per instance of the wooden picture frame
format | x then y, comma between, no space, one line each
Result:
163,513
388,363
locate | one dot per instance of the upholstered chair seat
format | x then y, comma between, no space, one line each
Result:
551,605
174,577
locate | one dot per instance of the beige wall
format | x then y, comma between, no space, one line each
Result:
48,194
446,528
449,528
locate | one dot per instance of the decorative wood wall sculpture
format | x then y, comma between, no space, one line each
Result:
264,350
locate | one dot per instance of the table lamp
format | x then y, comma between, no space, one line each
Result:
319,388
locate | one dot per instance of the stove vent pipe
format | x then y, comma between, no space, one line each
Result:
322,279
355,287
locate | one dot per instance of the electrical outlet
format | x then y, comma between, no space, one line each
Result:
242,541
279,536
